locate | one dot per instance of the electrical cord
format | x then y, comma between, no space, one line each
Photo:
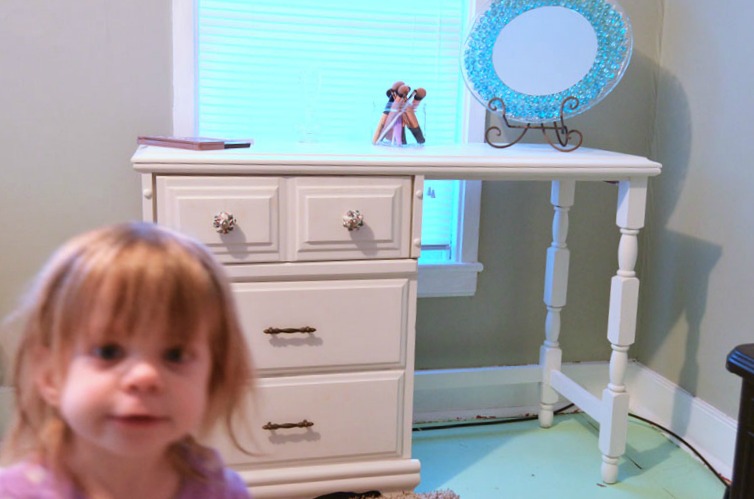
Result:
491,421
677,437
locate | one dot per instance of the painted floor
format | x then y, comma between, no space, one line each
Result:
520,460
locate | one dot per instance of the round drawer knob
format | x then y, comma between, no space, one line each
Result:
353,220
224,222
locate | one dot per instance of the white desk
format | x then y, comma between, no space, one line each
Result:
477,162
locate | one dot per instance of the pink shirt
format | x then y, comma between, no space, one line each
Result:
28,480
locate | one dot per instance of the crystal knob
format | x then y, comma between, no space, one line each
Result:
224,222
353,220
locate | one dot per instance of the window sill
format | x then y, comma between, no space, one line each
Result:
445,280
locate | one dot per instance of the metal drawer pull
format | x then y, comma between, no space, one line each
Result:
289,330
353,220
286,426
224,222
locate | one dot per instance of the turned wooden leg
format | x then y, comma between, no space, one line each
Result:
556,284
621,327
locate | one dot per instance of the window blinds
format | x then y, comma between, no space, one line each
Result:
318,71
303,71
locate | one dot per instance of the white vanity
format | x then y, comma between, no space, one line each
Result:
322,249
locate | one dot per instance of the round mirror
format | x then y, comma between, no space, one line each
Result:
534,54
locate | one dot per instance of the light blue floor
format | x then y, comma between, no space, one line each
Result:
523,461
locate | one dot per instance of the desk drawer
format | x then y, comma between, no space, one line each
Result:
189,204
354,415
319,205
315,216
359,322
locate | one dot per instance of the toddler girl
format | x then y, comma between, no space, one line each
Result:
130,347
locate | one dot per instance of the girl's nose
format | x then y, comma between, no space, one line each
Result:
142,375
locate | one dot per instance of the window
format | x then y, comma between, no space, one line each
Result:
318,71
450,228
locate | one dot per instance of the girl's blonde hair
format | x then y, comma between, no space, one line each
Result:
124,280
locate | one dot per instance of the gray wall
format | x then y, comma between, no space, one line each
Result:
698,272
80,80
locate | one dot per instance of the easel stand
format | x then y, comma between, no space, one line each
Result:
562,133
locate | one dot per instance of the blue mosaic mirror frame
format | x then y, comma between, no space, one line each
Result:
614,45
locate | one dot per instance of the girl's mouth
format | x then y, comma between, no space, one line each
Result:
138,420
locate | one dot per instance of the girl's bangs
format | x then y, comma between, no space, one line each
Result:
151,292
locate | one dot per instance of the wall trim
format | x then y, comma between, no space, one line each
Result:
455,394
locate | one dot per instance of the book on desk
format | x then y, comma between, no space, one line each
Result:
193,143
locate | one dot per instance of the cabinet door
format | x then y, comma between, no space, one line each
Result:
190,204
318,208
325,325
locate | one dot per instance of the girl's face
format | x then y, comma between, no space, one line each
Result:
133,397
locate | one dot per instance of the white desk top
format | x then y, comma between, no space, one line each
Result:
466,161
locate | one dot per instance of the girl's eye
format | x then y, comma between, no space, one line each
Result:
108,351
176,355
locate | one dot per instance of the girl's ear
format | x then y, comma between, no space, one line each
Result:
47,380
48,389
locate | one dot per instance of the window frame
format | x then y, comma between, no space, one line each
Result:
435,280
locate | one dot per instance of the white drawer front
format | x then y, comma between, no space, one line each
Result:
357,322
354,416
189,205
319,204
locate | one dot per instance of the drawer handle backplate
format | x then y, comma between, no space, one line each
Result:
289,330
278,426
224,222
353,220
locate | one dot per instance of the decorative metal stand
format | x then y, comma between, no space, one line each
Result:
562,133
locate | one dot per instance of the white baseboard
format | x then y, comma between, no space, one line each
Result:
446,395
704,427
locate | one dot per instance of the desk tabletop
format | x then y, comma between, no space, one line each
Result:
461,161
